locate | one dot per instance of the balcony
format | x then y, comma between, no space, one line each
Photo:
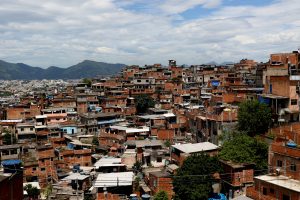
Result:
10,157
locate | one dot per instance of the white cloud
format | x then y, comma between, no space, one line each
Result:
105,50
63,33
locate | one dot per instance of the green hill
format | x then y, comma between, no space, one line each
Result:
85,69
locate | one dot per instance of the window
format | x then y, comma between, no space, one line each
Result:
159,159
31,129
271,190
294,102
22,129
138,81
265,191
279,163
5,152
285,197
293,167
13,151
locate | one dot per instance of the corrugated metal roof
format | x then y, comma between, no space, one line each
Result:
196,147
106,162
114,179
11,162
75,176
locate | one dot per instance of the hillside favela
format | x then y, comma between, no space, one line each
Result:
150,100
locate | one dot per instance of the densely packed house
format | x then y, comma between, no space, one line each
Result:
90,139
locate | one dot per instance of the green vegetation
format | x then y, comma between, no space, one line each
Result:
143,103
9,138
168,143
32,191
137,166
194,178
87,81
161,195
87,68
47,191
5,93
254,117
241,148
136,184
95,141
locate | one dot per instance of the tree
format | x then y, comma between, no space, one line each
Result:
137,183
254,117
33,192
168,143
137,166
95,141
161,195
143,103
242,148
47,191
9,138
194,178
87,81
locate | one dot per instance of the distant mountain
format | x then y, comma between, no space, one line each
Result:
84,69
227,63
211,63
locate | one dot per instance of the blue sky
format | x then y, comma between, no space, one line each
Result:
198,11
63,33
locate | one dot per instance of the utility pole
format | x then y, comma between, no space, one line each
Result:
77,188
105,192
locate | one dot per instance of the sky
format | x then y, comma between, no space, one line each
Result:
63,33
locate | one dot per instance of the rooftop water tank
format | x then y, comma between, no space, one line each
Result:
146,197
291,144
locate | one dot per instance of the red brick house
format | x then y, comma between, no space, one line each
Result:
161,181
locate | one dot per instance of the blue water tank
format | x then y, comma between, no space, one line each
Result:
133,197
291,144
76,168
218,197
215,83
146,197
